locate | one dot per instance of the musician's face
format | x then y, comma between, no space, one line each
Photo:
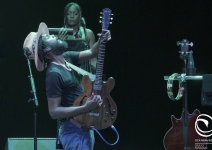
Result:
51,39
73,16
54,45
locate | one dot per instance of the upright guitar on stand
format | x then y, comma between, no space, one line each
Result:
182,134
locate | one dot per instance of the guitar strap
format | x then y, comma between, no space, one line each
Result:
81,71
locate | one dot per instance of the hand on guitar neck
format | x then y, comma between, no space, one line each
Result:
93,102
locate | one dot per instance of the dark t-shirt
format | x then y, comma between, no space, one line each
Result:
63,83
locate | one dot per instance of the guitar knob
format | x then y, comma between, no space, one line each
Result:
104,121
114,110
112,118
106,113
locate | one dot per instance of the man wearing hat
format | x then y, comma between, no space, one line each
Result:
63,85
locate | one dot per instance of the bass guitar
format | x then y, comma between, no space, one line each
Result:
104,116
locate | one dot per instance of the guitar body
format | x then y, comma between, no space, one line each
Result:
173,140
103,116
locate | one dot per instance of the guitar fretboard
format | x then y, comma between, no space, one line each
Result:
99,70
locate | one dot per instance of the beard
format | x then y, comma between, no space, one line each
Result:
59,47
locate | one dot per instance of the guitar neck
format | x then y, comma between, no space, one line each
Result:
99,70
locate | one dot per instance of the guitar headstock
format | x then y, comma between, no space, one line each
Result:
106,18
184,45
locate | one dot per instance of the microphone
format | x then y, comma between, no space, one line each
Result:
26,51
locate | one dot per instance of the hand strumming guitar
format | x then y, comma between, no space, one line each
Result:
93,102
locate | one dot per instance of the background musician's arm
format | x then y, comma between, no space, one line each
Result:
89,54
92,40
93,51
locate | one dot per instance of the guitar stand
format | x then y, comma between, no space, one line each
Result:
34,100
187,71
185,110
183,79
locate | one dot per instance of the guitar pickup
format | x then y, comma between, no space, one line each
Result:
94,114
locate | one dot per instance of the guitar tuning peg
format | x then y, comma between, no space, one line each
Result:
110,22
111,18
100,17
191,44
100,21
178,43
182,52
100,12
112,14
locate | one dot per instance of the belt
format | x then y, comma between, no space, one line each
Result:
79,125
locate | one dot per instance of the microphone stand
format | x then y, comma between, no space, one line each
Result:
188,70
34,99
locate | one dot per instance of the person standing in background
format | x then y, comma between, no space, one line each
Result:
82,38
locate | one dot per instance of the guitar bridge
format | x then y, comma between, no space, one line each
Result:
94,114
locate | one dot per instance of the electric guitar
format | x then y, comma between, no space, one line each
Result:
106,114
182,134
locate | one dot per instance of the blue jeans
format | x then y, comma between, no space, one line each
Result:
73,138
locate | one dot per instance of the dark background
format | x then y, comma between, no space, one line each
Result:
142,51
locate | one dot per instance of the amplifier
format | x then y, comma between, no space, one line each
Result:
28,144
